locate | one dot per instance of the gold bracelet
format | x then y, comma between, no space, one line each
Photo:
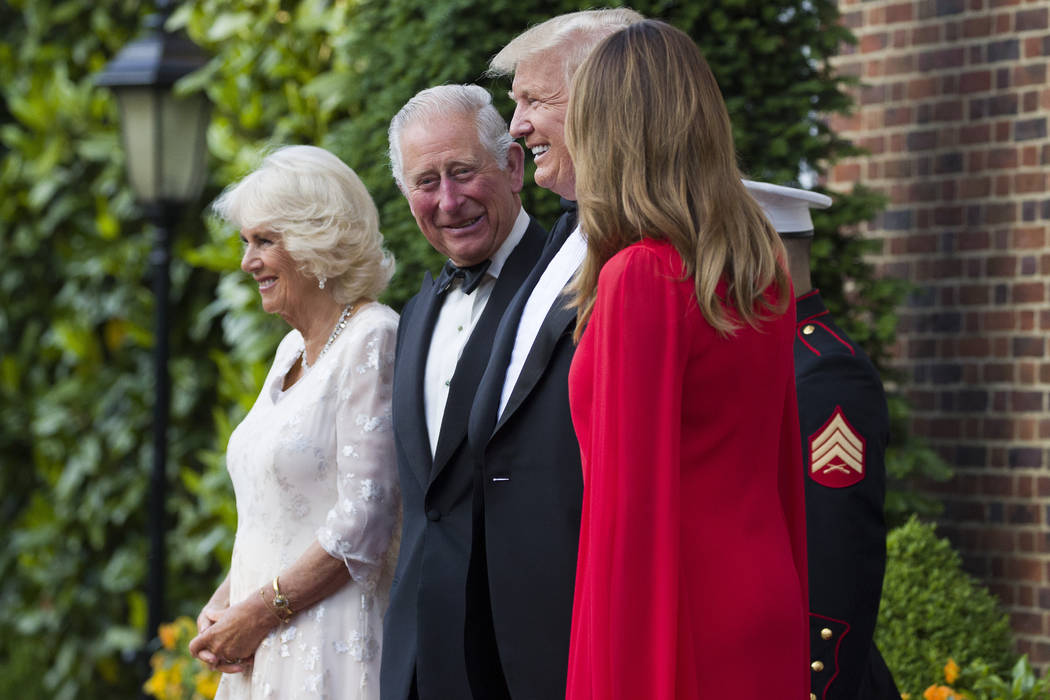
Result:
279,606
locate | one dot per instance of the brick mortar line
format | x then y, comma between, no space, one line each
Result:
905,78
872,29
899,129
1017,198
862,57
991,121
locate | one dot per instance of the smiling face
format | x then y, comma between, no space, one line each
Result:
541,100
283,288
464,204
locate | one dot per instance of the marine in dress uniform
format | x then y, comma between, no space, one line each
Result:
845,429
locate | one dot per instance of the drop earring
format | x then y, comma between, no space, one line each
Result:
320,281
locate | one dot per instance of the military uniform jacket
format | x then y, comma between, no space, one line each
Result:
845,429
423,632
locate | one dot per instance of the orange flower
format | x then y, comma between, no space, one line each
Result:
951,671
938,692
167,635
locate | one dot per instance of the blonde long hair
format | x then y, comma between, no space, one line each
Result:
652,144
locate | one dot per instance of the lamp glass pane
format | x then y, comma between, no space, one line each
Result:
184,122
164,143
138,113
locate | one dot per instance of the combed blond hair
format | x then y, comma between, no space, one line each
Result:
652,144
573,34
324,215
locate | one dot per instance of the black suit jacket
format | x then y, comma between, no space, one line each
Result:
840,399
423,628
531,489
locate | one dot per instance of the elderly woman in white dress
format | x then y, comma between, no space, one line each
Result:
300,613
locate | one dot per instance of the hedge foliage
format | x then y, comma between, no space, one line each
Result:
75,372
76,312
932,610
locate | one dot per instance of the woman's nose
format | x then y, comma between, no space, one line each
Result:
249,259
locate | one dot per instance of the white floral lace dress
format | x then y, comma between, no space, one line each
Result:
317,462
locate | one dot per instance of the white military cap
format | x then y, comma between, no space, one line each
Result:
787,208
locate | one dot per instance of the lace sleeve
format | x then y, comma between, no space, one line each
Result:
359,527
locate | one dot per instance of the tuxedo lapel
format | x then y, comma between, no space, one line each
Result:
486,404
559,321
416,328
473,361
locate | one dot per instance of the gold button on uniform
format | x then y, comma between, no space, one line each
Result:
825,633
808,329
812,696
817,666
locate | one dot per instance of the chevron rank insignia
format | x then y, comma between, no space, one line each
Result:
836,453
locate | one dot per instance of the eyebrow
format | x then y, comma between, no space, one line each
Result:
445,167
268,233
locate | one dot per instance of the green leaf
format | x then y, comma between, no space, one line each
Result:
227,24
123,572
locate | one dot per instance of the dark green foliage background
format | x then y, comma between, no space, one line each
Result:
76,310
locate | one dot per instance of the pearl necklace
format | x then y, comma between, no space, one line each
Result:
339,326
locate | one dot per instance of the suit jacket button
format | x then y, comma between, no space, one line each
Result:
434,514
808,329
817,666
825,633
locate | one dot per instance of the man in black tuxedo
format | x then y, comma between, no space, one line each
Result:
461,173
529,484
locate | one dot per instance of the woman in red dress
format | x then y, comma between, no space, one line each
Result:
691,577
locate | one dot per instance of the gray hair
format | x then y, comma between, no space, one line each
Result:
574,35
323,214
441,101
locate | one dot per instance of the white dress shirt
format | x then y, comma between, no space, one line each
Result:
544,295
455,322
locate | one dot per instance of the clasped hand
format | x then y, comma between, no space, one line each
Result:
227,637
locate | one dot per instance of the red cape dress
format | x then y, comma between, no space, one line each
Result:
691,577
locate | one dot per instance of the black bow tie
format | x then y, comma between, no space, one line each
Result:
471,276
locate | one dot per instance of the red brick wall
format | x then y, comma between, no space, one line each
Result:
953,111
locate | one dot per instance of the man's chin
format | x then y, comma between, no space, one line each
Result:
543,180
467,257
547,182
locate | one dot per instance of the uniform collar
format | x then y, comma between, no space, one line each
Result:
809,305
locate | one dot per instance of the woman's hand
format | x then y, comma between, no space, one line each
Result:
228,637
215,607
210,615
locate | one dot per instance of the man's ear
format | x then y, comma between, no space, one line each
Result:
516,166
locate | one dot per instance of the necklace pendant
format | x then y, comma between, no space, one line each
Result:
339,326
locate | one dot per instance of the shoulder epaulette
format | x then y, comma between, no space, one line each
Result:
821,337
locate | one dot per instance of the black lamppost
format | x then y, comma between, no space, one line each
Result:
164,143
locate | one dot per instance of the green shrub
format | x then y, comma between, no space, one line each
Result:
932,610
978,682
